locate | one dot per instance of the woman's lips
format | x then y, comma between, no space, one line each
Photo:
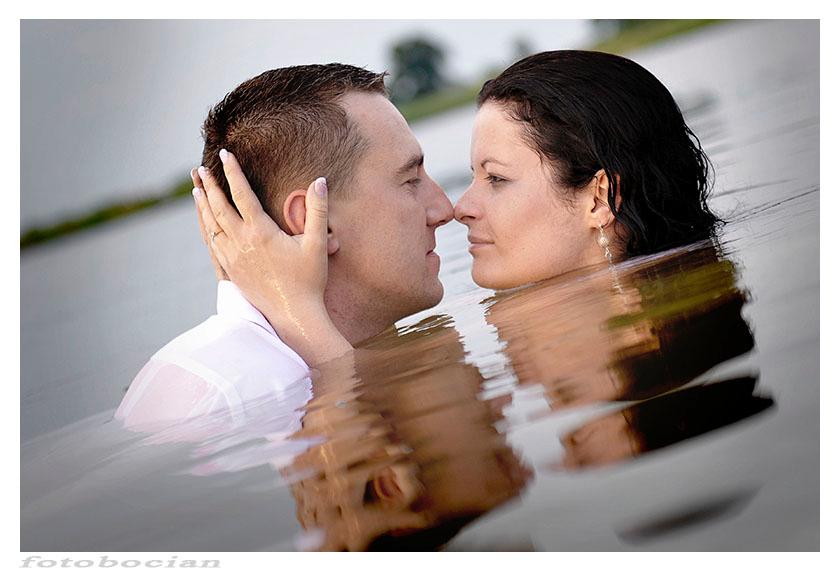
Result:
477,243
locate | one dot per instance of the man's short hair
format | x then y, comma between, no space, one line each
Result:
286,127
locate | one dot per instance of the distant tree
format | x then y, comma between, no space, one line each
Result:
416,68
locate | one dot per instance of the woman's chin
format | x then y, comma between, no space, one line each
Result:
502,279
494,281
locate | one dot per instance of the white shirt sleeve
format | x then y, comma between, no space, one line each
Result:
220,374
164,393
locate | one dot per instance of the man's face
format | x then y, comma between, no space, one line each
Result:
386,225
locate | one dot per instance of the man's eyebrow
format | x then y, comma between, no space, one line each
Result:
414,162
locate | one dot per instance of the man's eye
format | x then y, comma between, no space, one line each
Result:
413,182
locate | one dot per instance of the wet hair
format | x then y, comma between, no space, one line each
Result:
586,111
286,127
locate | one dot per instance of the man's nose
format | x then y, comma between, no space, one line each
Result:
440,211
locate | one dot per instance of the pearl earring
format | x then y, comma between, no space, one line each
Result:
604,242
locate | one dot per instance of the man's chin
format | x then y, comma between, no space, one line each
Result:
436,295
409,303
429,298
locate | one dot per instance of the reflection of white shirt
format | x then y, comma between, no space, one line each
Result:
214,369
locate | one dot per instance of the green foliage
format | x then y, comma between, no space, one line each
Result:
634,34
438,102
416,69
107,213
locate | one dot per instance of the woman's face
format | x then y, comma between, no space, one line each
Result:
522,227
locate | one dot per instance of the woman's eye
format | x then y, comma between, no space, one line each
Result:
493,179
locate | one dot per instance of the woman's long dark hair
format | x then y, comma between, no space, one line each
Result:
586,111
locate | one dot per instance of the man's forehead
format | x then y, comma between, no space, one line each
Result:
380,123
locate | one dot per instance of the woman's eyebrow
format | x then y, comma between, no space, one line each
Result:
492,160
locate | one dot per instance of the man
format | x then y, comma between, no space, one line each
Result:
287,127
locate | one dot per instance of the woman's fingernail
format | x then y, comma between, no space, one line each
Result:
321,187
202,172
224,155
196,192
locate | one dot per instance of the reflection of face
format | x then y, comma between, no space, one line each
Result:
475,482
466,466
600,442
386,227
556,335
520,230
406,453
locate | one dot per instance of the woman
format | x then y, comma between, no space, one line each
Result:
577,157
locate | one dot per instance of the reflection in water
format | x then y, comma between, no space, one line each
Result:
661,422
693,514
409,451
626,335
398,449
410,454
632,334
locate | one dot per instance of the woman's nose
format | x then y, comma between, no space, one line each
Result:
465,208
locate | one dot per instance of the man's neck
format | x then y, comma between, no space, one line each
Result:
354,319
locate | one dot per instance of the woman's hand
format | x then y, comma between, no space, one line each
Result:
220,272
282,276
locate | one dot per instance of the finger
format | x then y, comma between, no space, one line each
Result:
196,180
205,221
208,221
198,188
224,214
317,221
198,195
210,228
240,189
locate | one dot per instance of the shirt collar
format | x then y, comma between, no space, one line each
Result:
231,302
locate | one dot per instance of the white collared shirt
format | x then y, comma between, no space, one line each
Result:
232,358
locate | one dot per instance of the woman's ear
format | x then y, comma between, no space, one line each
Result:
600,213
294,216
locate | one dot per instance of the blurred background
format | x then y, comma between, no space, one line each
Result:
111,110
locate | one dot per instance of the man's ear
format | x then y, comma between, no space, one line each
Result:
396,486
598,200
294,214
